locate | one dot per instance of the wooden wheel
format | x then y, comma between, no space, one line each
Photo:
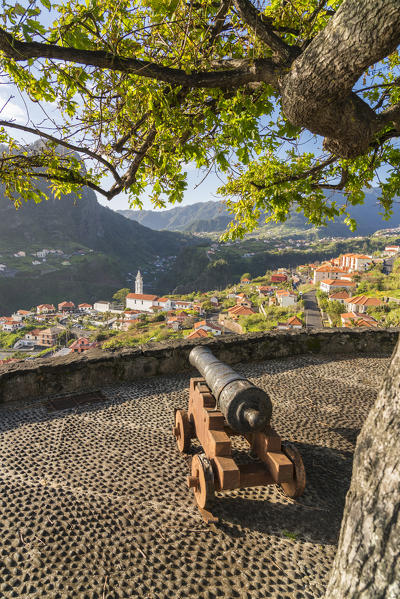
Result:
182,430
294,488
202,481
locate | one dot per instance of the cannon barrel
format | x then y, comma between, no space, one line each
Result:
246,408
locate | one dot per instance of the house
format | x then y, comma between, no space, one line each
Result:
164,303
181,305
20,254
294,323
278,278
209,326
282,326
327,271
240,310
245,281
286,298
49,337
80,345
45,309
10,325
355,262
32,335
351,319
141,301
66,307
197,334
102,306
339,296
265,290
329,285
174,323
360,303
392,250
214,301
85,307
21,315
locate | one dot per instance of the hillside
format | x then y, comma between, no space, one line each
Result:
99,249
212,216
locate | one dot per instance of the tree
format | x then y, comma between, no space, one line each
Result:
139,98
144,87
120,295
246,275
367,562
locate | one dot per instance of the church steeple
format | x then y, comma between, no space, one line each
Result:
139,283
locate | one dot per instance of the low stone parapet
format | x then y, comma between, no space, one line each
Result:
99,368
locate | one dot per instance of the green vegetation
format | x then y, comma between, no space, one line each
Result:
132,338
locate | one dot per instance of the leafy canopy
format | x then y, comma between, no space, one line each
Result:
141,88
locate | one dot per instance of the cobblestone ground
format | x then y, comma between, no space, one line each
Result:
94,503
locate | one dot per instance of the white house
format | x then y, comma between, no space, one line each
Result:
360,303
208,326
286,298
329,285
392,250
326,271
355,262
102,306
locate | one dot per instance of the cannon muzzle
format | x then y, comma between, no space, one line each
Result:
246,408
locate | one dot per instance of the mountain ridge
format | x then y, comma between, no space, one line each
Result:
212,216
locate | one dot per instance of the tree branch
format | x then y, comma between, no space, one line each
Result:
263,29
261,69
291,178
65,144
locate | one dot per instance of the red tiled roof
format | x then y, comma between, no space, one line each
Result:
197,334
363,300
66,305
294,321
339,295
142,296
338,283
85,306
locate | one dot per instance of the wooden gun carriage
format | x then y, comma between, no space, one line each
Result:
223,404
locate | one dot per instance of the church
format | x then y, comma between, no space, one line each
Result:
151,303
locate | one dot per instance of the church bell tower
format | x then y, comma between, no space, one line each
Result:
139,283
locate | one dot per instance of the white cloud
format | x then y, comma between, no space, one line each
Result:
11,111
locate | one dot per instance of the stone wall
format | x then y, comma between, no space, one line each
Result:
95,368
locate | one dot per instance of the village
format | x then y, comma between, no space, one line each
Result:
351,290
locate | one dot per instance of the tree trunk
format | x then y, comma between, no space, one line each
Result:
317,91
367,563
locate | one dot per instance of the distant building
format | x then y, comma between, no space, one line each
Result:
49,337
141,301
286,298
45,309
80,345
278,278
139,283
66,306
329,285
102,306
85,307
360,303
392,250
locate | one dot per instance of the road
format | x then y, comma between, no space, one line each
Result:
313,314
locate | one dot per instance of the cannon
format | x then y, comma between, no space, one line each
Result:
224,404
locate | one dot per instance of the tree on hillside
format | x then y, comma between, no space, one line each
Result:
144,87
120,295
246,275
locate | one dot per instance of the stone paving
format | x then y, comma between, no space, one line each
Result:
94,503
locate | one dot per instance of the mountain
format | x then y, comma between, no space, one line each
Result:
101,251
202,216
213,216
